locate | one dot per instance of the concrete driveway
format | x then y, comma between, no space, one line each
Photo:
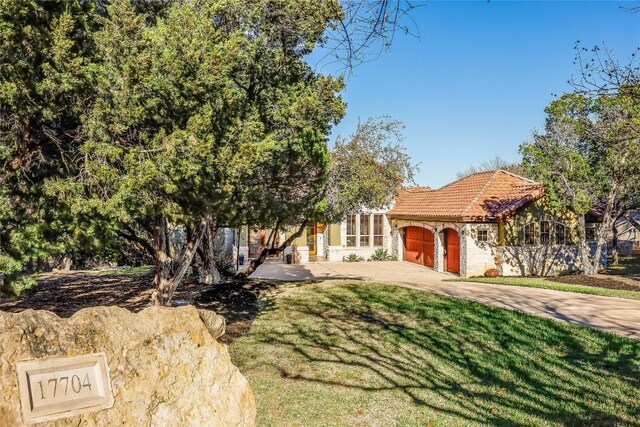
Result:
617,315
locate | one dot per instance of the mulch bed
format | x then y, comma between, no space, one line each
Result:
600,281
66,293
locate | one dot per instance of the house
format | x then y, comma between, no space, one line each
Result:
487,220
628,227
492,219
361,234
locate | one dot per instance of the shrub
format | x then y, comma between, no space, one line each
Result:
19,285
226,267
352,258
381,255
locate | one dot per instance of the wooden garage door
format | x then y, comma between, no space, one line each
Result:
418,246
452,257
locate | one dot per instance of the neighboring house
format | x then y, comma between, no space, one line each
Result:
486,220
492,219
628,228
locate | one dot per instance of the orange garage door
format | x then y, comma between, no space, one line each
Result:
418,246
452,257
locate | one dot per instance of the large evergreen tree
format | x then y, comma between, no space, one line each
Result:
195,113
44,87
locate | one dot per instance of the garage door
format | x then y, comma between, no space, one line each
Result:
418,246
452,256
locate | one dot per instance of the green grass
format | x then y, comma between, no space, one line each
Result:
628,266
538,282
126,271
354,353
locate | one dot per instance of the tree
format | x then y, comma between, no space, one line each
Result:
589,155
136,118
365,170
46,47
367,28
188,135
496,163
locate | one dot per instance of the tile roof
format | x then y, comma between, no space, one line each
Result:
482,196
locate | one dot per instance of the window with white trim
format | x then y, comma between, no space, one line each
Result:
378,229
483,235
365,229
351,230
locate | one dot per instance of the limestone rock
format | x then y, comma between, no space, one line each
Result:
166,367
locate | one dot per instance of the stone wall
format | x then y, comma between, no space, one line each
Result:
540,260
480,255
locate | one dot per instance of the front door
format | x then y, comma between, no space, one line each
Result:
452,257
311,239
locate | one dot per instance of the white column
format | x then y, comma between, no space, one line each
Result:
371,230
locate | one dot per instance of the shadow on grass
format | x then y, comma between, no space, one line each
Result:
475,363
64,294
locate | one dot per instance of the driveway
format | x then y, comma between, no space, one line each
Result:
617,315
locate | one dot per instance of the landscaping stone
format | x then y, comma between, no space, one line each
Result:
166,366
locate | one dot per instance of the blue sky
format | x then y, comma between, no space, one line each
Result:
476,82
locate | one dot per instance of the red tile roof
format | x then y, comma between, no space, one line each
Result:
482,196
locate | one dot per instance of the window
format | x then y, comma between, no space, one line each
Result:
561,234
529,234
351,230
545,232
483,235
591,233
378,229
364,229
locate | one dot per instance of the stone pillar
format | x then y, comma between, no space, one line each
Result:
464,233
325,241
395,241
499,258
301,254
320,244
438,250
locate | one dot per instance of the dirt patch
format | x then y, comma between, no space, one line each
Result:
600,281
66,293
238,303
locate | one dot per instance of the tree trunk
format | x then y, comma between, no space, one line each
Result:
615,256
209,273
585,252
609,215
257,262
169,271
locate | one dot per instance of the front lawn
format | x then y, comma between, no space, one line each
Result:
549,283
356,353
628,266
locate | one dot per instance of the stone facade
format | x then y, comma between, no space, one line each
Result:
480,250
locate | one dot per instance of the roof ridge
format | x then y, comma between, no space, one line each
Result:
518,176
417,187
482,190
463,178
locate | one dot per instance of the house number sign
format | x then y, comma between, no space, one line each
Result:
62,387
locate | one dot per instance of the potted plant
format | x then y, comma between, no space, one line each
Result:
492,272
